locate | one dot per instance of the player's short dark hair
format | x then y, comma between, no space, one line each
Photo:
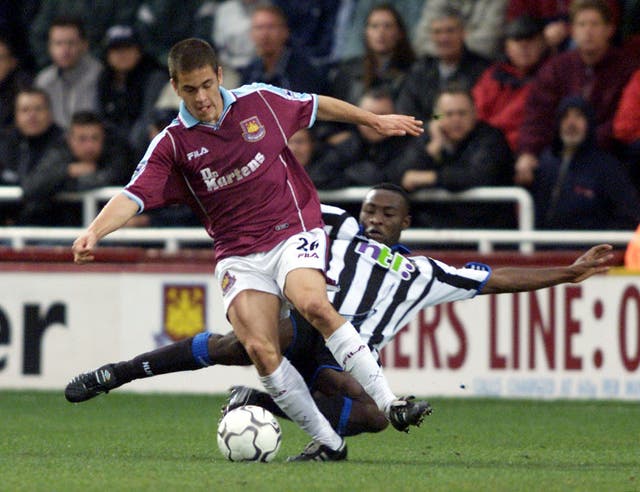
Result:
31,90
395,189
69,21
83,118
601,6
189,55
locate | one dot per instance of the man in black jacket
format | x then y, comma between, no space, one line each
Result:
453,63
457,153
33,139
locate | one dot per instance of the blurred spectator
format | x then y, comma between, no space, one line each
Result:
276,62
311,24
90,159
15,20
72,80
554,14
626,122
501,92
302,145
483,25
352,15
626,126
630,27
453,62
595,70
578,186
162,23
387,59
129,87
231,37
96,16
93,157
34,139
12,79
365,157
457,153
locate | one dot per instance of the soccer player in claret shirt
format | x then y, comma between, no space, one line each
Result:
379,313
226,155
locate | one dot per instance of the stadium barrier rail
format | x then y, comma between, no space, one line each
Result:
171,239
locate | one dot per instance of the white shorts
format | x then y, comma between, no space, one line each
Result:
268,271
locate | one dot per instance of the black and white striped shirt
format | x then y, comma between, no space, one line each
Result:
380,290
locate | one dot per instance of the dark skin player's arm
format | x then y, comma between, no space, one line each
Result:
525,279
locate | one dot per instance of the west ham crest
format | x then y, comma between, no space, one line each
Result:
184,312
252,129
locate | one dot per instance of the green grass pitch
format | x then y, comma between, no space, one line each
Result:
134,442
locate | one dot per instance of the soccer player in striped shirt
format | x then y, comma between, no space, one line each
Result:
226,155
379,292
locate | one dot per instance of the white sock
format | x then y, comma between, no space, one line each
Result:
289,391
355,357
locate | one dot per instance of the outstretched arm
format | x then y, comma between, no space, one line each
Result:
525,279
114,215
391,125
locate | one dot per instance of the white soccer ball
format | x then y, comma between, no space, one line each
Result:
249,433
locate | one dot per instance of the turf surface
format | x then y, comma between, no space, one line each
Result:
125,441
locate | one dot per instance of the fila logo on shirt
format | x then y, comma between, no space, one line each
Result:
197,153
215,181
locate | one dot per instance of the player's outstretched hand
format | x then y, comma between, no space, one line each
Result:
398,125
593,261
83,248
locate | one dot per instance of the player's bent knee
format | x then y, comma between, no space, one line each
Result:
265,356
316,310
376,420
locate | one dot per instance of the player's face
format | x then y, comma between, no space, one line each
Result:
200,91
66,47
384,216
33,116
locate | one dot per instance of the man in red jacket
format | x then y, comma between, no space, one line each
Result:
595,70
501,92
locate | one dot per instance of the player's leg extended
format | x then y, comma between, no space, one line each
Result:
254,317
306,289
204,350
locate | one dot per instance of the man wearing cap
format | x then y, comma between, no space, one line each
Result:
501,92
129,86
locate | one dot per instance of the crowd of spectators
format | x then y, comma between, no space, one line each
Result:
541,94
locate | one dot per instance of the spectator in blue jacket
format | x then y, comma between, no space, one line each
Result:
577,185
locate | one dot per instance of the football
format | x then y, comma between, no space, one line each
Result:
249,433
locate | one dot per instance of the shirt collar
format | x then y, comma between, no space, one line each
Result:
190,121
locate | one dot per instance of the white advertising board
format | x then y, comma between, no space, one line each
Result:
571,341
